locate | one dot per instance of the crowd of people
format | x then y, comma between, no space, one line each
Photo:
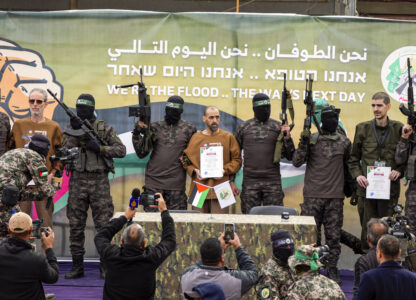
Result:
335,168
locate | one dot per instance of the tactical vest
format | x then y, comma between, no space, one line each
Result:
89,161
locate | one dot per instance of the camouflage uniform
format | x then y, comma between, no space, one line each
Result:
365,152
4,132
325,156
311,285
261,178
164,171
401,158
89,185
17,168
274,280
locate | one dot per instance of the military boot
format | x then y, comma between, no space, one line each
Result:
333,274
77,270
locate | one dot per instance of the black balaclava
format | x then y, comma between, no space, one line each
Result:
329,119
85,107
38,143
261,107
283,245
173,110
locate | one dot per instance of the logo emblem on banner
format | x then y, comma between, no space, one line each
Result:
394,72
22,70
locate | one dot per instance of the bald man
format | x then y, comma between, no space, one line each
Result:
212,135
133,259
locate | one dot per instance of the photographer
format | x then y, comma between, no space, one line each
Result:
17,168
21,269
131,268
389,280
235,283
376,228
311,285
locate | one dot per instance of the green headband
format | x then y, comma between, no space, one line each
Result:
312,259
85,102
261,102
174,105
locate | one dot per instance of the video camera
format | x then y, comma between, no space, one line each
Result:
323,252
144,199
66,156
38,229
398,224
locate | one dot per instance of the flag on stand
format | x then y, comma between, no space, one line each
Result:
224,194
198,195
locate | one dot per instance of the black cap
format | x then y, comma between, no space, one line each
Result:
281,238
38,143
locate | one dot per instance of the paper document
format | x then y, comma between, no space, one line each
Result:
378,183
211,161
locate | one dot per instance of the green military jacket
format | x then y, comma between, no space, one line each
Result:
275,278
365,152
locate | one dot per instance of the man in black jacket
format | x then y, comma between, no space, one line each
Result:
131,268
376,228
21,269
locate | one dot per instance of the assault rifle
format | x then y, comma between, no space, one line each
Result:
86,129
142,111
286,104
410,110
310,109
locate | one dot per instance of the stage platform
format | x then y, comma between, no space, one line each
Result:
91,286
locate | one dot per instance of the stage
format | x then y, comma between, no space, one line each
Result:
91,286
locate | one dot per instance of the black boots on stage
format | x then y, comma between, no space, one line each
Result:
77,270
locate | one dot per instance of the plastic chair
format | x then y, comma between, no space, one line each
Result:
272,210
185,211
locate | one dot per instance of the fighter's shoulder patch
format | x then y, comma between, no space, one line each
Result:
265,293
42,172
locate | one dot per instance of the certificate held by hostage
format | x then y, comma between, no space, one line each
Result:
378,183
212,163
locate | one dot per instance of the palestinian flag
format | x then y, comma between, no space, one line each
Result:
198,195
43,173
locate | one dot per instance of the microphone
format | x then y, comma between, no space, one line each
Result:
134,201
135,198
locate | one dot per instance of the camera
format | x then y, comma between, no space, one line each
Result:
147,199
229,229
322,251
398,224
67,156
38,229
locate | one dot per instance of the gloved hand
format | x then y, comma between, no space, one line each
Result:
288,95
305,135
354,199
92,146
75,123
138,130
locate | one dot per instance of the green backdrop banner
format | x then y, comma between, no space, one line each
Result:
220,59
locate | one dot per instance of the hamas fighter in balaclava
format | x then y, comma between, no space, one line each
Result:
261,107
329,118
173,110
